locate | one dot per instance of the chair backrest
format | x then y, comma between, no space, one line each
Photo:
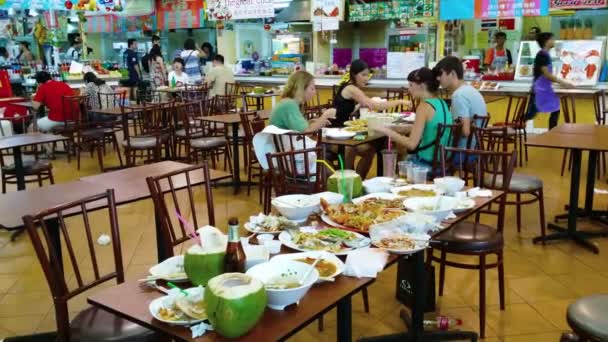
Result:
231,89
453,132
186,113
494,139
153,120
47,239
296,140
291,171
246,119
516,110
224,104
76,106
197,93
111,100
481,121
394,95
167,202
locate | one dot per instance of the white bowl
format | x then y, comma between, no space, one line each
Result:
377,184
338,134
450,184
273,270
295,207
263,237
421,205
332,198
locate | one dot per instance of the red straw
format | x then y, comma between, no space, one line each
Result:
390,144
190,229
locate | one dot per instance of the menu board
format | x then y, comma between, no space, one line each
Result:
579,61
509,8
401,64
326,14
395,9
239,9
577,4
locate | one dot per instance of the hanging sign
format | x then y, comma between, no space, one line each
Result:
491,9
326,14
577,4
239,9
396,9
174,14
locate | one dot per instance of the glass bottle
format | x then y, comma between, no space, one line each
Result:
234,260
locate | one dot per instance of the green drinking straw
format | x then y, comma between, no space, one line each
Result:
344,196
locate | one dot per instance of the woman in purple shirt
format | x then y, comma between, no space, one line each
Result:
543,97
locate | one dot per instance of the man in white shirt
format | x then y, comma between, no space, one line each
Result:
75,51
219,75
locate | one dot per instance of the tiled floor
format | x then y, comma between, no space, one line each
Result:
540,280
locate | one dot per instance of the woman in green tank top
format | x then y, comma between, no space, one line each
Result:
431,112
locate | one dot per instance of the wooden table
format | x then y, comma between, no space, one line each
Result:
577,138
233,121
130,301
130,186
259,98
15,143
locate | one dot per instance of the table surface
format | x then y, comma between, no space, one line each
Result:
130,184
232,118
19,140
568,136
131,300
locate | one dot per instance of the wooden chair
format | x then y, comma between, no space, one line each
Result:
36,171
401,94
474,238
515,120
91,324
247,119
454,132
249,103
151,132
111,127
496,139
167,202
231,89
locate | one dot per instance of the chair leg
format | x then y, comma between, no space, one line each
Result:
100,153
51,178
501,280
541,208
518,211
39,177
365,299
77,157
116,148
482,296
442,272
321,324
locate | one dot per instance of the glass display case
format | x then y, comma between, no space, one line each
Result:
422,39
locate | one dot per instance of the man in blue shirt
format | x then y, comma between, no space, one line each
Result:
132,63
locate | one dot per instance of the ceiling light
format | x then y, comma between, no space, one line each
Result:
281,5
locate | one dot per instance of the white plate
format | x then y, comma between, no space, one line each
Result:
253,228
338,133
433,187
420,245
169,267
380,195
325,218
457,205
286,240
159,303
314,254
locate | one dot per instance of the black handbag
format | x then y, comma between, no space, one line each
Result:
406,280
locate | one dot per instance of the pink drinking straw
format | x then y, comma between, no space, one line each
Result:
189,229
390,144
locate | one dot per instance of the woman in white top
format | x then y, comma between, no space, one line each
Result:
192,60
158,73
178,74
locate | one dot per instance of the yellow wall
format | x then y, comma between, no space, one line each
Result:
543,22
226,45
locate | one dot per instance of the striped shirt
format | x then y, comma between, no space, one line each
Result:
193,65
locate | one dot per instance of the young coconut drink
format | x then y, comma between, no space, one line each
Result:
202,263
235,303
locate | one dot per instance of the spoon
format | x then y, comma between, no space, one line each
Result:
312,267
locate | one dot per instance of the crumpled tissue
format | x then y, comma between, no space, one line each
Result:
600,191
365,262
200,329
104,240
477,192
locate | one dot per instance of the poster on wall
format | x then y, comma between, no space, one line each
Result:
579,61
396,9
577,4
401,64
326,14
174,14
490,9
239,9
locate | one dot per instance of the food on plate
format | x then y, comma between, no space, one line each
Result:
194,308
386,203
356,122
235,303
316,242
202,263
359,216
337,234
170,314
389,215
396,242
524,70
269,223
325,268
417,193
356,129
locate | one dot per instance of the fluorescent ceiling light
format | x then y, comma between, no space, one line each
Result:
281,5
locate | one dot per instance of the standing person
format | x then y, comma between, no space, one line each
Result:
349,95
25,55
543,98
50,93
4,56
300,88
132,62
75,51
156,64
209,54
177,75
191,56
533,33
217,78
466,100
498,57
431,112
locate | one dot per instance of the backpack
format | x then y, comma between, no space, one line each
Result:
145,62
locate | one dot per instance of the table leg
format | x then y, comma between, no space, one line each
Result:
235,158
575,183
345,318
19,168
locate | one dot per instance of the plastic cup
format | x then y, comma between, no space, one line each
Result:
265,237
273,246
389,163
402,166
363,113
345,186
420,174
410,171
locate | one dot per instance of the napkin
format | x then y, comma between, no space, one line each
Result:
200,329
477,192
104,240
600,191
365,262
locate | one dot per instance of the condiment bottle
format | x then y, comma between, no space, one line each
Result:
234,260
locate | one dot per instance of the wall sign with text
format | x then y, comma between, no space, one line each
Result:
577,4
491,9
239,9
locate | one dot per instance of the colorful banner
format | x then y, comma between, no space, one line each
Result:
577,4
485,9
239,9
174,14
90,6
396,9
100,24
